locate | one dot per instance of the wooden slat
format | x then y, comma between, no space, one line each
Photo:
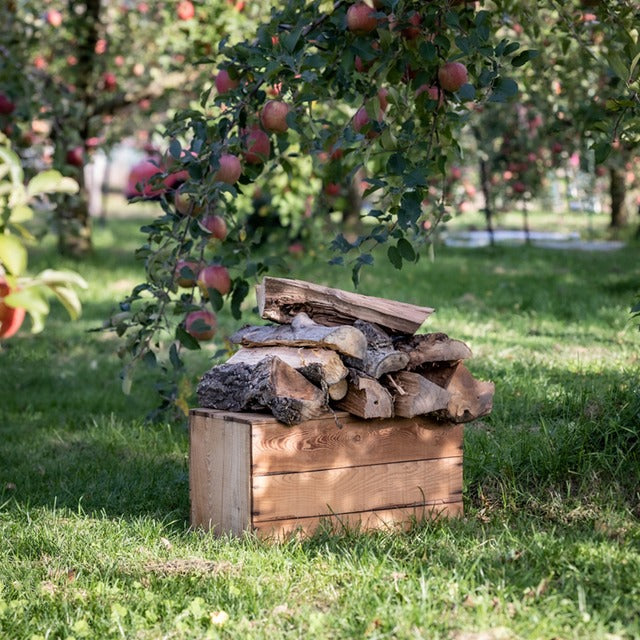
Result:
349,441
219,474
399,518
381,486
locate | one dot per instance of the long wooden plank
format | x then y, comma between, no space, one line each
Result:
280,299
394,519
365,488
219,474
349,441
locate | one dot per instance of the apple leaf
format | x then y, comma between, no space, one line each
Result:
69,299
53,278
21,213
186,339
13,255
51,182
34,300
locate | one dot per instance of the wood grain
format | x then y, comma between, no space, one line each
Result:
219,474
350,489
350,441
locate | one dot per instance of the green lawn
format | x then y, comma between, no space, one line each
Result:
94,501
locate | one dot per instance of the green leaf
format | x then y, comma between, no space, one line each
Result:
601,151
52,277
13,255
51,181
186,339
175,148
524,57
394,257
69,299
405,249
34,300
20,213
467,92
240,292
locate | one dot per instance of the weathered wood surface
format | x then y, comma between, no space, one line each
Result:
338,390
470,398
431,347
380,356
359,488
304,332
280,299
317,365
366,398
414,395
271,384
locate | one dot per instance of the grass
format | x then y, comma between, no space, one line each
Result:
94,501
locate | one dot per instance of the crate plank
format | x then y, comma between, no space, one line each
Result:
350,489
350,441
398,518
220,474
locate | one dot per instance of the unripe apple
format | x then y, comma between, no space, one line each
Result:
224,82
452,75
75,156
201,325
185,204
186,280
257,145
7,106
185,10
11,318
361,18
230,169
215,225
274,116
54,18
216,277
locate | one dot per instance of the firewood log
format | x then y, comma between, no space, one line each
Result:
414,395
366,397
431,347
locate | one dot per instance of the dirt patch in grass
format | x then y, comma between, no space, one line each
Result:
190,566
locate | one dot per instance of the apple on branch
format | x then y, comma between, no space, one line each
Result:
224,82
361,18
230,169
452,75
216,277
274,116
7,106
201,324
215,225
257,145
11,318
185,10
187,273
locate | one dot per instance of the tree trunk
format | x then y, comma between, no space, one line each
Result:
74,225
485,184
620,207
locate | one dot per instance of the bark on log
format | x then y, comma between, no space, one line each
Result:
380,357
280,299
470,398
431,347
317,365
366,398
414,395
271,384
304,332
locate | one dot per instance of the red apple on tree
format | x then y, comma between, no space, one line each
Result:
110,81
185,204
361,120
75,156
224,82
332,189
187,273
54,18
215,225
452,75
257,145
11,318
230,169
434,93
274,116
216,277
185,10
361,18
7,106
201,324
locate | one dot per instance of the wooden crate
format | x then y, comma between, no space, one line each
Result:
250,472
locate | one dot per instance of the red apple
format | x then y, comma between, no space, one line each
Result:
216,277
361,120
185,10
413,31
257,145
224,82
452,75
557,147
183,279
230,169
110,81
361,18
54,18
382,98
216,226
11,318
519,187
75,156
274,116
296,249
201,324
7,106
332,189
456,173
435,93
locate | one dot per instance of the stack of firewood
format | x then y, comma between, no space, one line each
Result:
332,349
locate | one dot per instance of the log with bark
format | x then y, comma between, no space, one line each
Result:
414,395
366,397
431,347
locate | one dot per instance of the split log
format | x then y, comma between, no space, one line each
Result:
414,395
338,390
431,347
281,299
304,332
366,398
317,365
380,357
271,384
470,398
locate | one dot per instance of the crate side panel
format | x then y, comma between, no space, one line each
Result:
350,441
362,488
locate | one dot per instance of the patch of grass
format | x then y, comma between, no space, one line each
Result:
94,501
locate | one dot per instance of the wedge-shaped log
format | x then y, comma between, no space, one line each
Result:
366,398
414,395
431,347
380,357
304,332
317,365
281,299
271,384
470,398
